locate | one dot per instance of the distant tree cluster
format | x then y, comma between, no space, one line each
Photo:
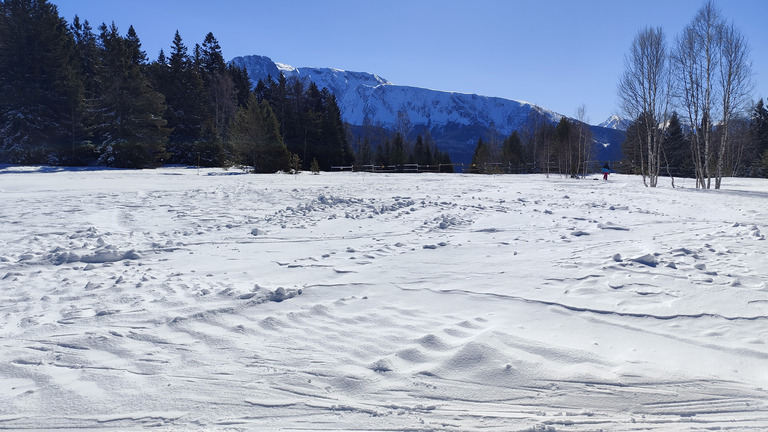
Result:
382,150
691,104
75,96
565,148
309,120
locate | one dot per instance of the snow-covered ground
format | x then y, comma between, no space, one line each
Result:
176,300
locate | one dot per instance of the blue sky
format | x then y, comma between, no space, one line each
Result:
557,53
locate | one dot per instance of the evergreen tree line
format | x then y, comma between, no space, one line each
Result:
394,152
565,148
309,120
745,153
75,96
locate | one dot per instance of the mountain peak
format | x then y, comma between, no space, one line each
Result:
615,122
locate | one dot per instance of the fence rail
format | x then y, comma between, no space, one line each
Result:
405,168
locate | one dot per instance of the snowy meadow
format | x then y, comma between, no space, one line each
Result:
178,299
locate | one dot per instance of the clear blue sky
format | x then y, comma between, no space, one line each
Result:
557,53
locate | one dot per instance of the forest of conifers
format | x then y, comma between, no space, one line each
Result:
72,95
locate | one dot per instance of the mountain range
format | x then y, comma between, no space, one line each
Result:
454,120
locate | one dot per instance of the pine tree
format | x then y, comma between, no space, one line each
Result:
211,58
255,137
419,151
312,124
444,159
512,152
133,47
437,158
429,143
295,163
132,132
677,149
84,151
480,158
41,103
242,83
87,52
364,152
220,87
565,151
383,153
279,101
758,131
181,83
314,167
398,156
632,147
338,150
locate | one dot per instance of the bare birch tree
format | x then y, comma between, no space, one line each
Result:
696,62
713,82
644,92
585,139
735,87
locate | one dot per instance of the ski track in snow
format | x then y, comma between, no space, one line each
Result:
174,299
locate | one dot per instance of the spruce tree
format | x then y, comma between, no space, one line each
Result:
311,140
398,156
632,147
314,167
187,110
211,58
444,159
758,131
383,154
364,152
279,101
480,157
220,87
255,137
41,87
84,151
419,151
87,52
131,132
512,152
242,83
338,150
565,152
677,149
429,143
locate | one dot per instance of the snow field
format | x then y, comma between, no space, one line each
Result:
176,300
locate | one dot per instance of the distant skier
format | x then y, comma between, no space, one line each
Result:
606,171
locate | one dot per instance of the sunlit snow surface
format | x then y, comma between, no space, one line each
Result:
174,299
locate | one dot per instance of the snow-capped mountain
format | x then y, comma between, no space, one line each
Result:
615,122
365,97
455,120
